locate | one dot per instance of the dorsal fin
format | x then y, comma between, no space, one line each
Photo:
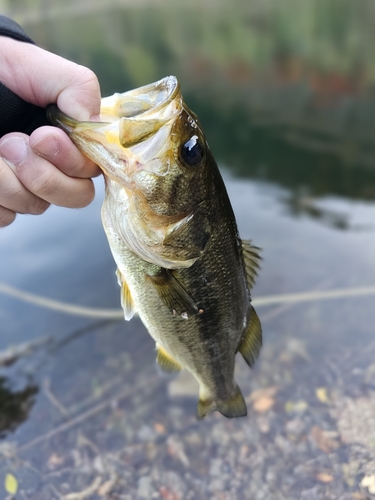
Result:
251,258
252,339
127,302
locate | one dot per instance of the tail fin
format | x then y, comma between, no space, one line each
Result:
232,407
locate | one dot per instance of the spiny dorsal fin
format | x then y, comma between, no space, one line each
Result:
252,339
174,295
166,362
251,258
127,302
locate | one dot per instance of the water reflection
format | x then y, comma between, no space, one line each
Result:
301,203
274,154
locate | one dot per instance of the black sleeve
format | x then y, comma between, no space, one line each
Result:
17,115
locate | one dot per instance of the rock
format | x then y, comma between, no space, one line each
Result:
144,487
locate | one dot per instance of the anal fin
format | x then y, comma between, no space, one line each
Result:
127,302
166,362
252,339
174,295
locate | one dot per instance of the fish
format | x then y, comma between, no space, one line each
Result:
181,263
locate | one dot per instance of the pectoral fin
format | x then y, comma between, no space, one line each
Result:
252,339
166,362
173,294
251,257
127,302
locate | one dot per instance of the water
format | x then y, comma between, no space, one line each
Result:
287,112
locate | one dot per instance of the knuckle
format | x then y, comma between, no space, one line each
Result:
38,207
85,196
87,80
10,190
73,169
89,76
42,185
27,203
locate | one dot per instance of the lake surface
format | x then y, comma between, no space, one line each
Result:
285,96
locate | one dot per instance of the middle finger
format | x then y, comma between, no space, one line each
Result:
43,179
14,196
55,146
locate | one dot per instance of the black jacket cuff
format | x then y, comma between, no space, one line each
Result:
17,115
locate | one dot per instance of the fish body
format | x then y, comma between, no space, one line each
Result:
181,263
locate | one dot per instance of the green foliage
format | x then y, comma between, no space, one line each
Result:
327,35
279,82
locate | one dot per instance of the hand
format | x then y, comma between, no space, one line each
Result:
46,167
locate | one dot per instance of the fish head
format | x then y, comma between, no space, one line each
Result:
157,166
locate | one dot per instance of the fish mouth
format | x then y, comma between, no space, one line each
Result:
137,114
126,121
144,101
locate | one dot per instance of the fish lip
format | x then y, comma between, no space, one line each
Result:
68,124
168,84
59,119
155,96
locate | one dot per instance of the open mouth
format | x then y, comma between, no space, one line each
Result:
144,101
128,120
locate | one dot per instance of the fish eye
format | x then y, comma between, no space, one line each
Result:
192,151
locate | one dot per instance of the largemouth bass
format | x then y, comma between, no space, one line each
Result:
172,232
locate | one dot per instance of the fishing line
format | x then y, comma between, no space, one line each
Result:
117,314
56,305
337,293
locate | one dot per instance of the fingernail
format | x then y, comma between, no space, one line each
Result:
47,146
13,150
